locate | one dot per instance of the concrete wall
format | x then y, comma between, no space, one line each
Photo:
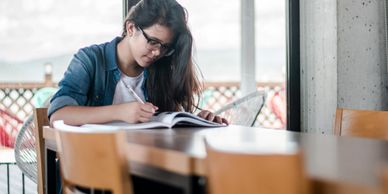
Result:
343,59
361,55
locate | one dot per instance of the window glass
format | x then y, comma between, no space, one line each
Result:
270,40
215,25
39,37
36,32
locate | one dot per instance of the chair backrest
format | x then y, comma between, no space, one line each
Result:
30,148
93,160
384,178
29,145
231,172
245,110
25,149
361,123
40,120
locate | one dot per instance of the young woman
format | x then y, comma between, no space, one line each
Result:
153,58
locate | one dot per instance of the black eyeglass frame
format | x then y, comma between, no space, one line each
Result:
165,50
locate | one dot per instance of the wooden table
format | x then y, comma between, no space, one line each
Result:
176,157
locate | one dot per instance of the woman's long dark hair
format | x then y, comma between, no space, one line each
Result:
172,83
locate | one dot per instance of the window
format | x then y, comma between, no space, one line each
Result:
215,25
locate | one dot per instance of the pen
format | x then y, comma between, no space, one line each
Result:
133,93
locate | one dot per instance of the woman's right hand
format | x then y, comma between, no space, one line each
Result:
136,112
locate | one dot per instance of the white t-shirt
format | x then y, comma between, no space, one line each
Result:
122,94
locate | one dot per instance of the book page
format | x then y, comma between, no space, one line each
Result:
165,117
191,121
59,124
117,125
184,119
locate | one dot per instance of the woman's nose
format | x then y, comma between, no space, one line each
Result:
156,52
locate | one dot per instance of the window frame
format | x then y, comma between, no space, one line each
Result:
293,66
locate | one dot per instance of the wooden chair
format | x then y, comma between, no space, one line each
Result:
30,148
40,120
361,123
231,173
29,145
384,178
93,160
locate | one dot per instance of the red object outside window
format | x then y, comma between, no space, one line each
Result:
9,127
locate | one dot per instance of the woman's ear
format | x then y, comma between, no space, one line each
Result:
130,28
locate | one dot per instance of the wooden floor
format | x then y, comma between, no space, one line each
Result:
13,176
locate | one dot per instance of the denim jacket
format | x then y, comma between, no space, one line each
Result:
91,78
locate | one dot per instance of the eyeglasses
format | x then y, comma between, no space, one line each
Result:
152,44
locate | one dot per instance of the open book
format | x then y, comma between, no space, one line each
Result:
162,120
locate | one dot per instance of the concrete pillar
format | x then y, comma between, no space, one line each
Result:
318,28
343,59
248,76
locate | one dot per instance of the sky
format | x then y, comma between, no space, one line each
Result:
42,28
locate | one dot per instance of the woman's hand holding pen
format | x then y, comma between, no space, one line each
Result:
211,117
139,111
135,112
